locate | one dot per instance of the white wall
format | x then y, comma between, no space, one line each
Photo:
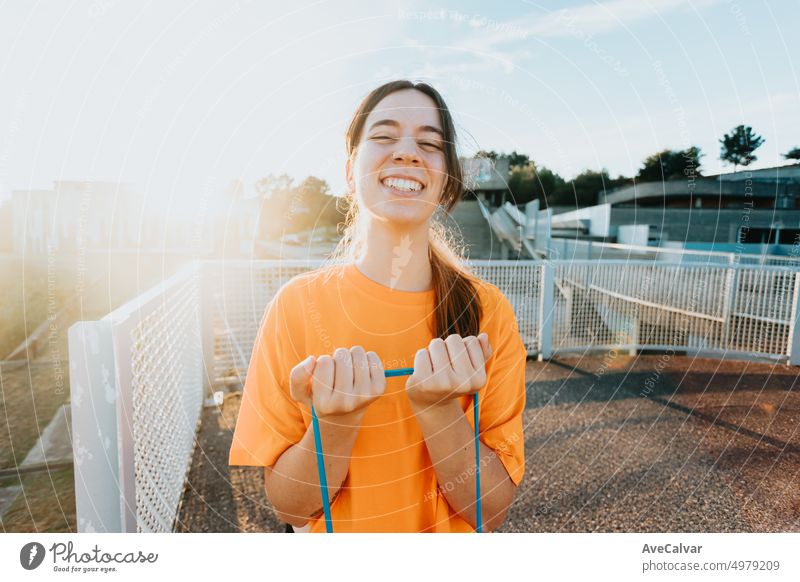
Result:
599,218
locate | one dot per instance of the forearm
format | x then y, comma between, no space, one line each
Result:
450,442
292,485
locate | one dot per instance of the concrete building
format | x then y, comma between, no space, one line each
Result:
760,208
103,216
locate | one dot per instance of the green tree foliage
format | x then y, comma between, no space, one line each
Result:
271,185
738,146
584,188
670,165
287,208
313,205
515,158
792,154
527,183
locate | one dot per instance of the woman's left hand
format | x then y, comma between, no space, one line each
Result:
448,368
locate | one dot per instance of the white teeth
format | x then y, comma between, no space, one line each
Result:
401,184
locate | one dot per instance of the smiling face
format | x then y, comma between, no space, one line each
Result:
398,169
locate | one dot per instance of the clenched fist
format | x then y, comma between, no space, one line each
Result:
340,387
448,369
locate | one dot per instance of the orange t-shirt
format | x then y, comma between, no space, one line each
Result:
391,485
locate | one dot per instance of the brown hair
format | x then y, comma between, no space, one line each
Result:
457,308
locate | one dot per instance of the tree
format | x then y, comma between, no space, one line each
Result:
671,164
792,154
517,159
527,182
738,146
271,185
584,188
691,159
514,158
276,196
311,203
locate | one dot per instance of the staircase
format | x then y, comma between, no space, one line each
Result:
470,225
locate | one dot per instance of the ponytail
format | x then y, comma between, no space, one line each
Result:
458,308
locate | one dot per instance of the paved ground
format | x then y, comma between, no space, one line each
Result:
652,443
660,444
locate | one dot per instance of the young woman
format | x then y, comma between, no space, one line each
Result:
399,451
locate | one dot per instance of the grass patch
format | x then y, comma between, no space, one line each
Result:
46,503
23,301
29,398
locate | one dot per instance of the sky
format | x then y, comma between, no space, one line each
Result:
181,98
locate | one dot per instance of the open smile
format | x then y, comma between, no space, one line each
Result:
403,186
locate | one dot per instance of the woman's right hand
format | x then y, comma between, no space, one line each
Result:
340,387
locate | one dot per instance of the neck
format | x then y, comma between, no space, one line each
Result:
397,257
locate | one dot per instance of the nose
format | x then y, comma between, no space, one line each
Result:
406,151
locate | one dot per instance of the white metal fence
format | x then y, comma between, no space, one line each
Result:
136,379
570,249
714,310
241,290
139,375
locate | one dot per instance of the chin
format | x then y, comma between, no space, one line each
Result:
400,216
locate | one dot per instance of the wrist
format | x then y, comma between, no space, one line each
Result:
343,423
436,411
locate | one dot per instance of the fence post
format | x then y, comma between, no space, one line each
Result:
794,325
121,325
208,280
727,302
93,402
546,311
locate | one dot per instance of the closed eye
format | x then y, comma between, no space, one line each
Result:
430,145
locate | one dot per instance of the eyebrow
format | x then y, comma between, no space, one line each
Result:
393,123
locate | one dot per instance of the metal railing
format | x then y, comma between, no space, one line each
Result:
569,249
136,380
139,375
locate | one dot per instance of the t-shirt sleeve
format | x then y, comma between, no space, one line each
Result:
269,420
503,398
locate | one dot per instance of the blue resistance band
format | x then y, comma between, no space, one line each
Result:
323,480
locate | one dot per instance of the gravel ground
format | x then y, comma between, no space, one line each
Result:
220,498
651,443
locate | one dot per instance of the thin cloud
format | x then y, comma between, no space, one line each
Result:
587,19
